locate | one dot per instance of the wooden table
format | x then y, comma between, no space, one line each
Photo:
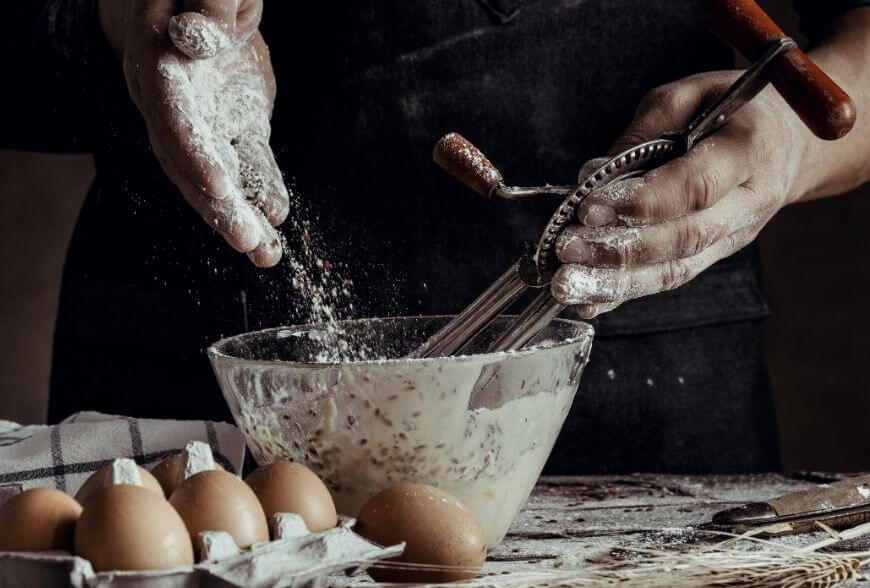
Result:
581,517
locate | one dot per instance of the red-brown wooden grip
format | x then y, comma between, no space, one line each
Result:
823,106
465,162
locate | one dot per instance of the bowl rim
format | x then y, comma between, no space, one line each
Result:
215,354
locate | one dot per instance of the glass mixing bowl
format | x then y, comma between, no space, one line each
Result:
479,426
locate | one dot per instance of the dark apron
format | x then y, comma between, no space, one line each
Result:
676,382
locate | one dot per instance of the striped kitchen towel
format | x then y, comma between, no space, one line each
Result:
62,456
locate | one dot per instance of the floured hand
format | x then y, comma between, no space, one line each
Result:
203,81
646,235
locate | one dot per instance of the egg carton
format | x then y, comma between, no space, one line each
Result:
296,557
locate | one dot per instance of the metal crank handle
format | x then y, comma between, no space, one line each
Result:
820,103
461,159
452,337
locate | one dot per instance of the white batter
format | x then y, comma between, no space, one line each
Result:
365,426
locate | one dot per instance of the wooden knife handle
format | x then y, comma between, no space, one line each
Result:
461,159
819,102
842,494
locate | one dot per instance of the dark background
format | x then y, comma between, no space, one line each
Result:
816,280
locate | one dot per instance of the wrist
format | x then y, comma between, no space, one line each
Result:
834,167
797,147
806,159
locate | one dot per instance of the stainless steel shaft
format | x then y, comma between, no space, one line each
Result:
466,325
529,323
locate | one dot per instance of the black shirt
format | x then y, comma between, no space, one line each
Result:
676,381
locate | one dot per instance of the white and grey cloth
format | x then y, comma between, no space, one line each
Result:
62,456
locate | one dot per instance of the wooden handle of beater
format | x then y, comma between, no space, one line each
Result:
461,159
819,102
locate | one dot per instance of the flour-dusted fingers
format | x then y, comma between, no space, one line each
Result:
683,237
209,27
604,205
582,285
590,311
268,253
666,108
690,183
598,215
200,75
234,219
260,177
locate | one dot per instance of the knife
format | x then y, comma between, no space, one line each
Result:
841,504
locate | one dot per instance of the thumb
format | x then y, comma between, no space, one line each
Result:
666,108
208,27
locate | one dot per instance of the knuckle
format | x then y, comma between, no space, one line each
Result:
734,242
689,239
701,188
670,101
621,254
642,210
675,273
657,97
672,108
655,110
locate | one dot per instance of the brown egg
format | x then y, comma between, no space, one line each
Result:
284,486
129,527
39,519
104,477
166,473
437,528
219,501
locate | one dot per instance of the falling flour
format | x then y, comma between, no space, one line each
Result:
220,99
323,291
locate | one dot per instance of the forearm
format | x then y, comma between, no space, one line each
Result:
834,167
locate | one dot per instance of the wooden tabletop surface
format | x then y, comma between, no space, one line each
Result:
570,520
580,517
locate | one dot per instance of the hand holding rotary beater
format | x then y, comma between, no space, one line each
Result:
823,107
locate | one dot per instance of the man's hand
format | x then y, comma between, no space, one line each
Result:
650,234
203,81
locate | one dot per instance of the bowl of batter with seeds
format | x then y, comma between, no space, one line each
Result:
343,400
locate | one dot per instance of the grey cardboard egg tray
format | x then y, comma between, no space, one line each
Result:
296,557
